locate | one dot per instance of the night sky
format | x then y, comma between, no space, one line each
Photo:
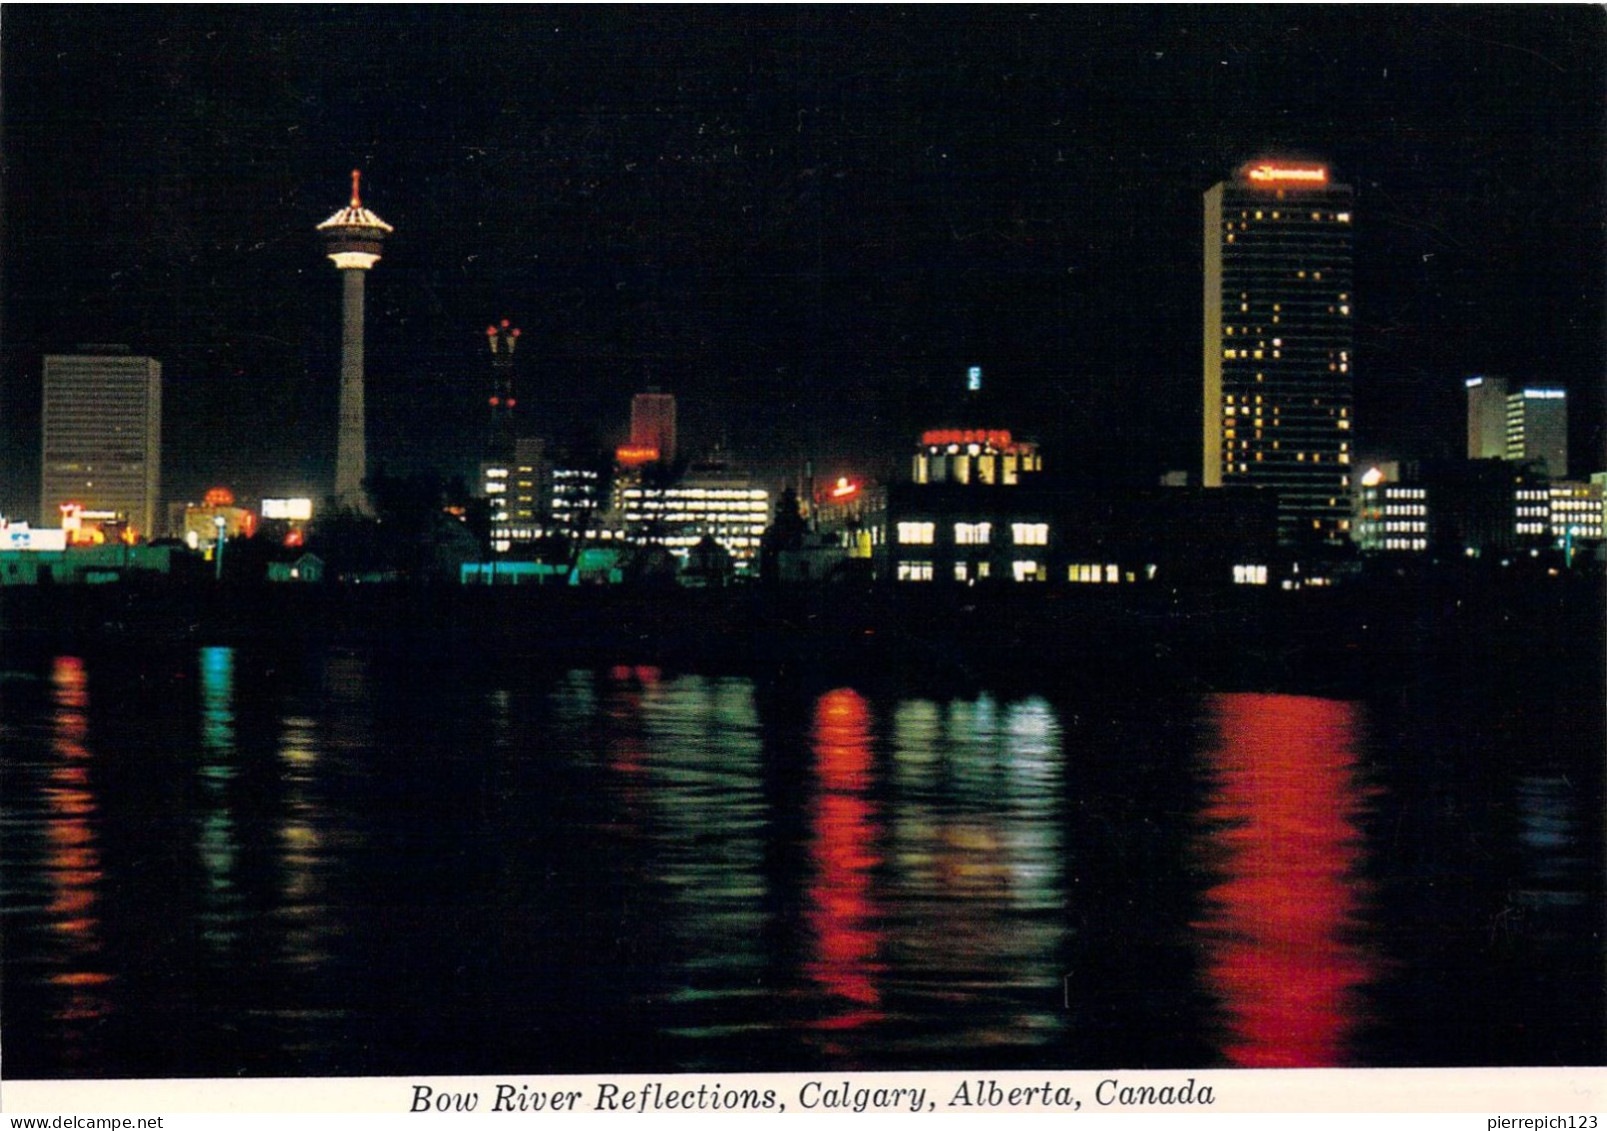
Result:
804,222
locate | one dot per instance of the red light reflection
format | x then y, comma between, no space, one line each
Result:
1282,925
843,854
73,859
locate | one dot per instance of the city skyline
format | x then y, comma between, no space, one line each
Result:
805,224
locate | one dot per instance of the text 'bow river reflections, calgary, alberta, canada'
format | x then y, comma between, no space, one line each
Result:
223,861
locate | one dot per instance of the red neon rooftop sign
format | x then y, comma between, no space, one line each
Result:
938,437
631,457
1268,173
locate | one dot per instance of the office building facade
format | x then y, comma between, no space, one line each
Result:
712,500
1279,371
653,425
102,437
1487,418
1537,429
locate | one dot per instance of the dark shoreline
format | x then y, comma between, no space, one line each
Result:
1351,637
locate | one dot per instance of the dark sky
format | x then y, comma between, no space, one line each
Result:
803,221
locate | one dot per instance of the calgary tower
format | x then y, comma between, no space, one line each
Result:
352,238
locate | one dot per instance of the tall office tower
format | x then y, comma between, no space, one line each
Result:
1278,355
1487,418
502,338
102,436
653,424
353,237
1537,428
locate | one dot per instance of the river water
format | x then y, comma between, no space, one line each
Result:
221,863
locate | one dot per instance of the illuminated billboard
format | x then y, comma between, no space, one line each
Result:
295,510
21,537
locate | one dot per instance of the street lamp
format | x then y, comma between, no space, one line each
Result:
217,554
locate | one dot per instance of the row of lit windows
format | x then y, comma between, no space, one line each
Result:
1300,457
1249,575
697,493
1095,574
1406,508
1406,527
973,533
724,521
1405,543
1260,214
702,506
925,571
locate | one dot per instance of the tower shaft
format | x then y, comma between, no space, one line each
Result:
351,459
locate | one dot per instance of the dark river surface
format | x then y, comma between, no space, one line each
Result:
222,863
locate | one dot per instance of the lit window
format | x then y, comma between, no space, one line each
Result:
1026,571
972,533
915,571
916,533
1249,575
1030,533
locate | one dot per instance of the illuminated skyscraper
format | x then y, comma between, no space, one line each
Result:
1537,428
1278,354
1487,418
353,237
653,424
502,340
102,436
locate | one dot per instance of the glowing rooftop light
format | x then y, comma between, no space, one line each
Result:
355,215
1267,173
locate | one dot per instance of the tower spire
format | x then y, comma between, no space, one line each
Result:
357,201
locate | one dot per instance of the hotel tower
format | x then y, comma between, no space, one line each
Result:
1279,368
